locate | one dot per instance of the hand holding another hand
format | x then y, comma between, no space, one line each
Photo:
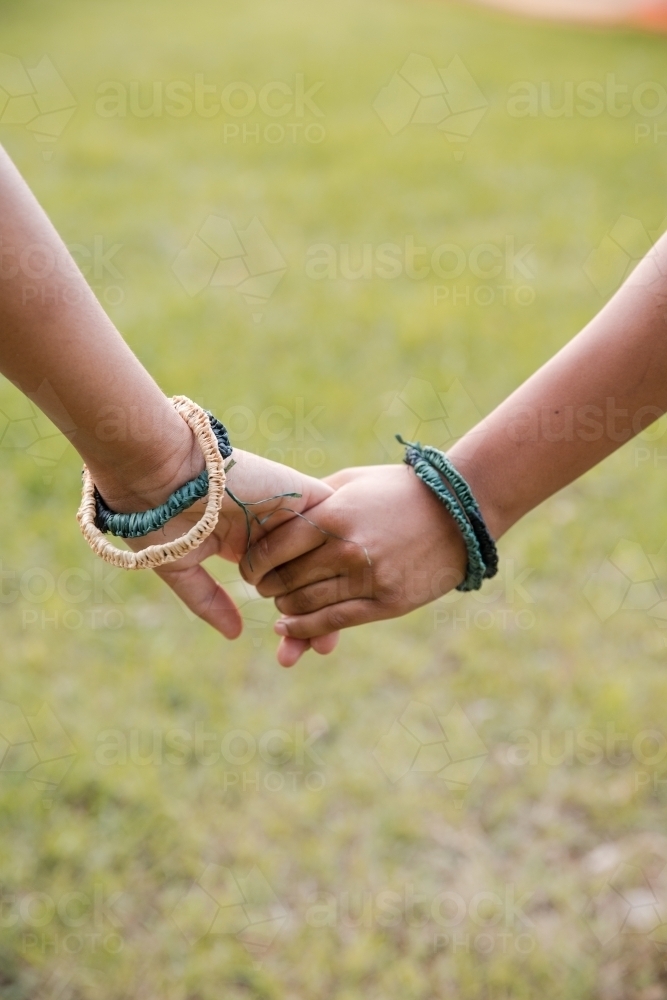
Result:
255,480
378,547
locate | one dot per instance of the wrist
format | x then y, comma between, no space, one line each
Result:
145,480
485,470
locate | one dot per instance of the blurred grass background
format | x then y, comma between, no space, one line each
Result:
116,816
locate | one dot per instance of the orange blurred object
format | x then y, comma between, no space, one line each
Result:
651,14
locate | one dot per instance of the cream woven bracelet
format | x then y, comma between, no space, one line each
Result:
157,555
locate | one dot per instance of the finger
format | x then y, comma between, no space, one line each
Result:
291,650
320,595
330,619
205,597
281,545
322,563
324,644
337,558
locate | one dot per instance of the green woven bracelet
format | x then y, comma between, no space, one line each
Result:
436,471
142,523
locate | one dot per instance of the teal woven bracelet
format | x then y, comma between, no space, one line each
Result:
487,545
436,471
143,523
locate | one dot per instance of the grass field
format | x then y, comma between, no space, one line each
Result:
468,802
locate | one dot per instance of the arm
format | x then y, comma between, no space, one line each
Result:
603,388
599,391
59,347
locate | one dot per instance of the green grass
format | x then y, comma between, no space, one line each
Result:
124,670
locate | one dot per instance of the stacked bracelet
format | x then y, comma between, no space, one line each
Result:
143,523
437,472
213,441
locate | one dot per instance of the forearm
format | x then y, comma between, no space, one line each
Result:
598,392
59,347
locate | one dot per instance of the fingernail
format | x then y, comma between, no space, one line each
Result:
280,628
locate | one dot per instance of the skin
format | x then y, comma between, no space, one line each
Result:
599,391
60,349
374,542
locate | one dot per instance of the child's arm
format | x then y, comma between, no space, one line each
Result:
603,388
59,347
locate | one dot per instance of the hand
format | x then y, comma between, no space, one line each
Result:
252,479
379,547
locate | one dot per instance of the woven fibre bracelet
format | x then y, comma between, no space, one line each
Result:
487,545
432,466
161,553
143,523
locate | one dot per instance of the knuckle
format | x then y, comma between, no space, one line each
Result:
391,596
356,554
297,603
262,551
388,589
336,620
266,587
285,577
